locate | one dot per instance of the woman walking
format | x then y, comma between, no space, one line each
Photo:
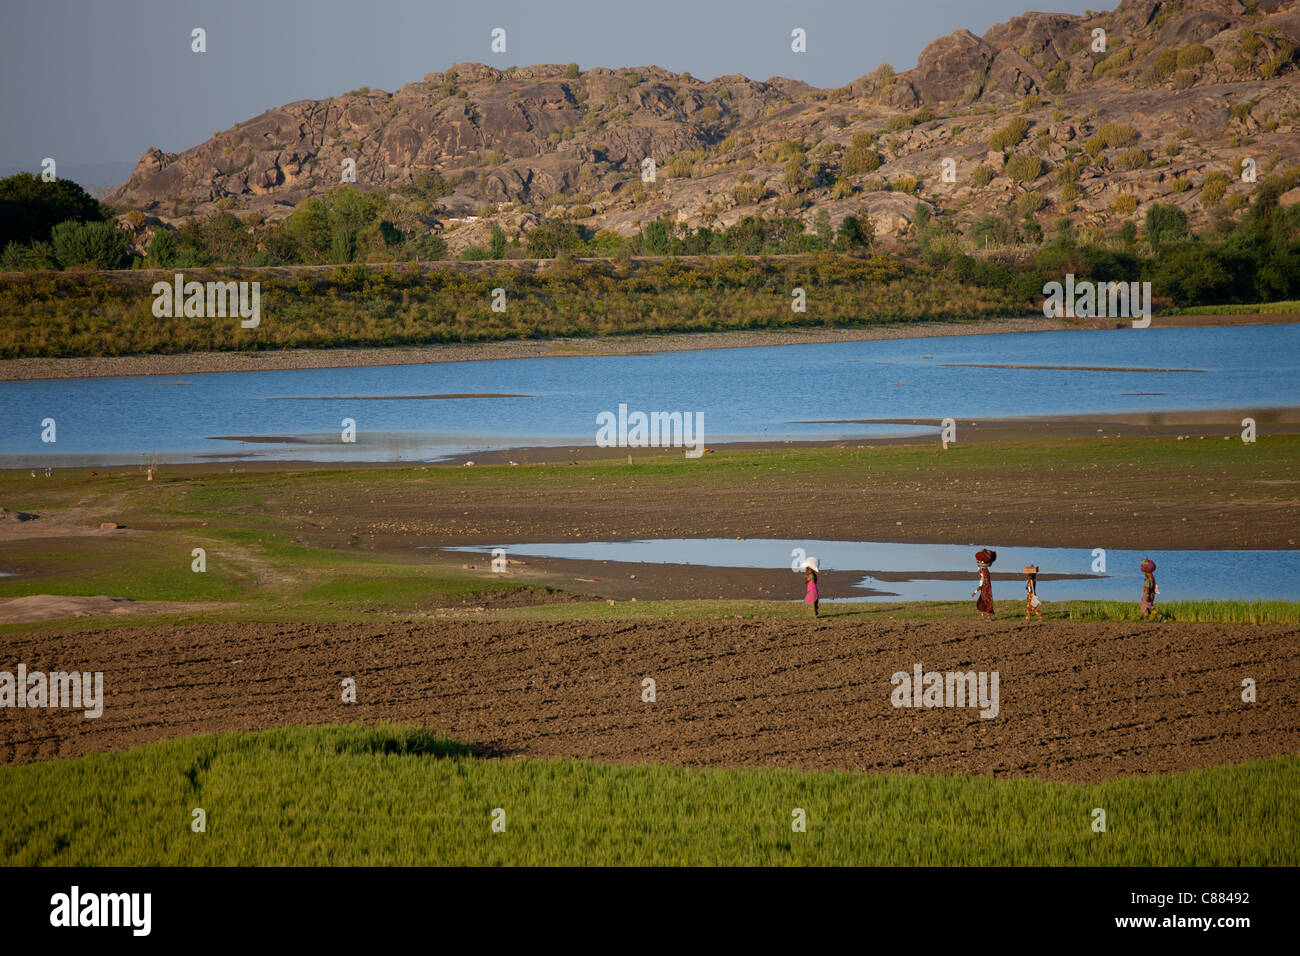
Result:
984,603
1149,591
1031,592
811,596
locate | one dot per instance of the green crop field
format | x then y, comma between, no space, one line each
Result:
402,796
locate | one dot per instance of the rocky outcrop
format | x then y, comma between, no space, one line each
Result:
524,144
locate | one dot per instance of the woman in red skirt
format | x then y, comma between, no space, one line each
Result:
984,603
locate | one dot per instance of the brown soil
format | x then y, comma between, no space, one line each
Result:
1079,701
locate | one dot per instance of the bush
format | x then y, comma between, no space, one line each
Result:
426,248
1125,204
795,178
1194,55
905,184
860,159
1286,54
1164,63
548,239
1113,63
95,244
1024,169
1070,192
1010,135
24,256
572,72
747,194
1135,158
162,248
1030,203
1213,188
1110,136
982,176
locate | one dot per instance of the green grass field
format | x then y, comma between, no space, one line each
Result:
1285,307
351,795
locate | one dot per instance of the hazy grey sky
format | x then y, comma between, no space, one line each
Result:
101,81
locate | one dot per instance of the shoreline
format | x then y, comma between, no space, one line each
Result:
202,363
1183,424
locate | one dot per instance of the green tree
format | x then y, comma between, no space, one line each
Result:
654,238
308,227
30,207
162,248
24,256
426,248
1165,223
95,244
822,226
856,234
498,242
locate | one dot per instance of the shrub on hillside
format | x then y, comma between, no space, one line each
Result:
1010,135
1024,169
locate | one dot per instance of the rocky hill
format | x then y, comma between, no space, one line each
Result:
1042,116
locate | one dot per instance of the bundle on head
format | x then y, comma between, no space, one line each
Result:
1148,565
1031,569
985,555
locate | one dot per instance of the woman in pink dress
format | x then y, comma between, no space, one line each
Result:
811,595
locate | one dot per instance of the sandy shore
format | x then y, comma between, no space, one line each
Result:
194,363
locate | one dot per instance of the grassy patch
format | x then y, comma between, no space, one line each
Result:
1226,612
1285,307
403,796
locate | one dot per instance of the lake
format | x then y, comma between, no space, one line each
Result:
1181,575
751,394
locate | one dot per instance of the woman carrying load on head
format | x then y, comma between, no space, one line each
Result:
1149,591
812,597
1031,592
984,603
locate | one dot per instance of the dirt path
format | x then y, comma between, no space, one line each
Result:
1078,701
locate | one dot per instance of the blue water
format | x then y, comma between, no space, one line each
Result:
1181,575
745,394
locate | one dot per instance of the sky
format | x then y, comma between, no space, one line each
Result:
95,83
